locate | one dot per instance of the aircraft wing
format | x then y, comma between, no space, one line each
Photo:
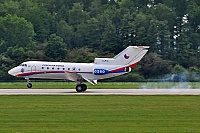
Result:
75,76
93,82
71,76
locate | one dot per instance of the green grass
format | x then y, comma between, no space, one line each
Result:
31,114
101,85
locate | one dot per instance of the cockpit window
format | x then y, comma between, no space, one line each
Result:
23,65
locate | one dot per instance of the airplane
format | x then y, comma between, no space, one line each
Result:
101,68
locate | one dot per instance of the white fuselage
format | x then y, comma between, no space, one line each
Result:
64,70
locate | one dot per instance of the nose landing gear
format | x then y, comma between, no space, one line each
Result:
29,85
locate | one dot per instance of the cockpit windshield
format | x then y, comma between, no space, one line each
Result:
25,65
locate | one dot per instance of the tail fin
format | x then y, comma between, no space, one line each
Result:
128,57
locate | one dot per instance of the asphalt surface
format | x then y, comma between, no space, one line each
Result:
100,92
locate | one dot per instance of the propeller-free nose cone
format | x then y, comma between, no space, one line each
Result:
11,72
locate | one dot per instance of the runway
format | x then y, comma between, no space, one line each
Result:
100,92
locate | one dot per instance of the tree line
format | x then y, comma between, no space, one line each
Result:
80,30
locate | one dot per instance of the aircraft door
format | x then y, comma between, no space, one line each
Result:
33,69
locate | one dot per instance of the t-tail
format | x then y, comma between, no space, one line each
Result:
128,57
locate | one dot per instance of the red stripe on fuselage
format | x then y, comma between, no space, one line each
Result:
46,72
122,69
134,65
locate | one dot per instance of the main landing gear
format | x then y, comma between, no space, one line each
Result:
81,87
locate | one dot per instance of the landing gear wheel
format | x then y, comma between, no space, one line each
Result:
81,87
29,85
84,87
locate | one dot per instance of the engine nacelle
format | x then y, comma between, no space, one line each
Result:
127,69
100,71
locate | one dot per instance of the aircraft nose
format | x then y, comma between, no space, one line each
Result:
11,72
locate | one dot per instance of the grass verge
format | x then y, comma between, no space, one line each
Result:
30,114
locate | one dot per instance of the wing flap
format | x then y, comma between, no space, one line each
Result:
71,76
93,82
